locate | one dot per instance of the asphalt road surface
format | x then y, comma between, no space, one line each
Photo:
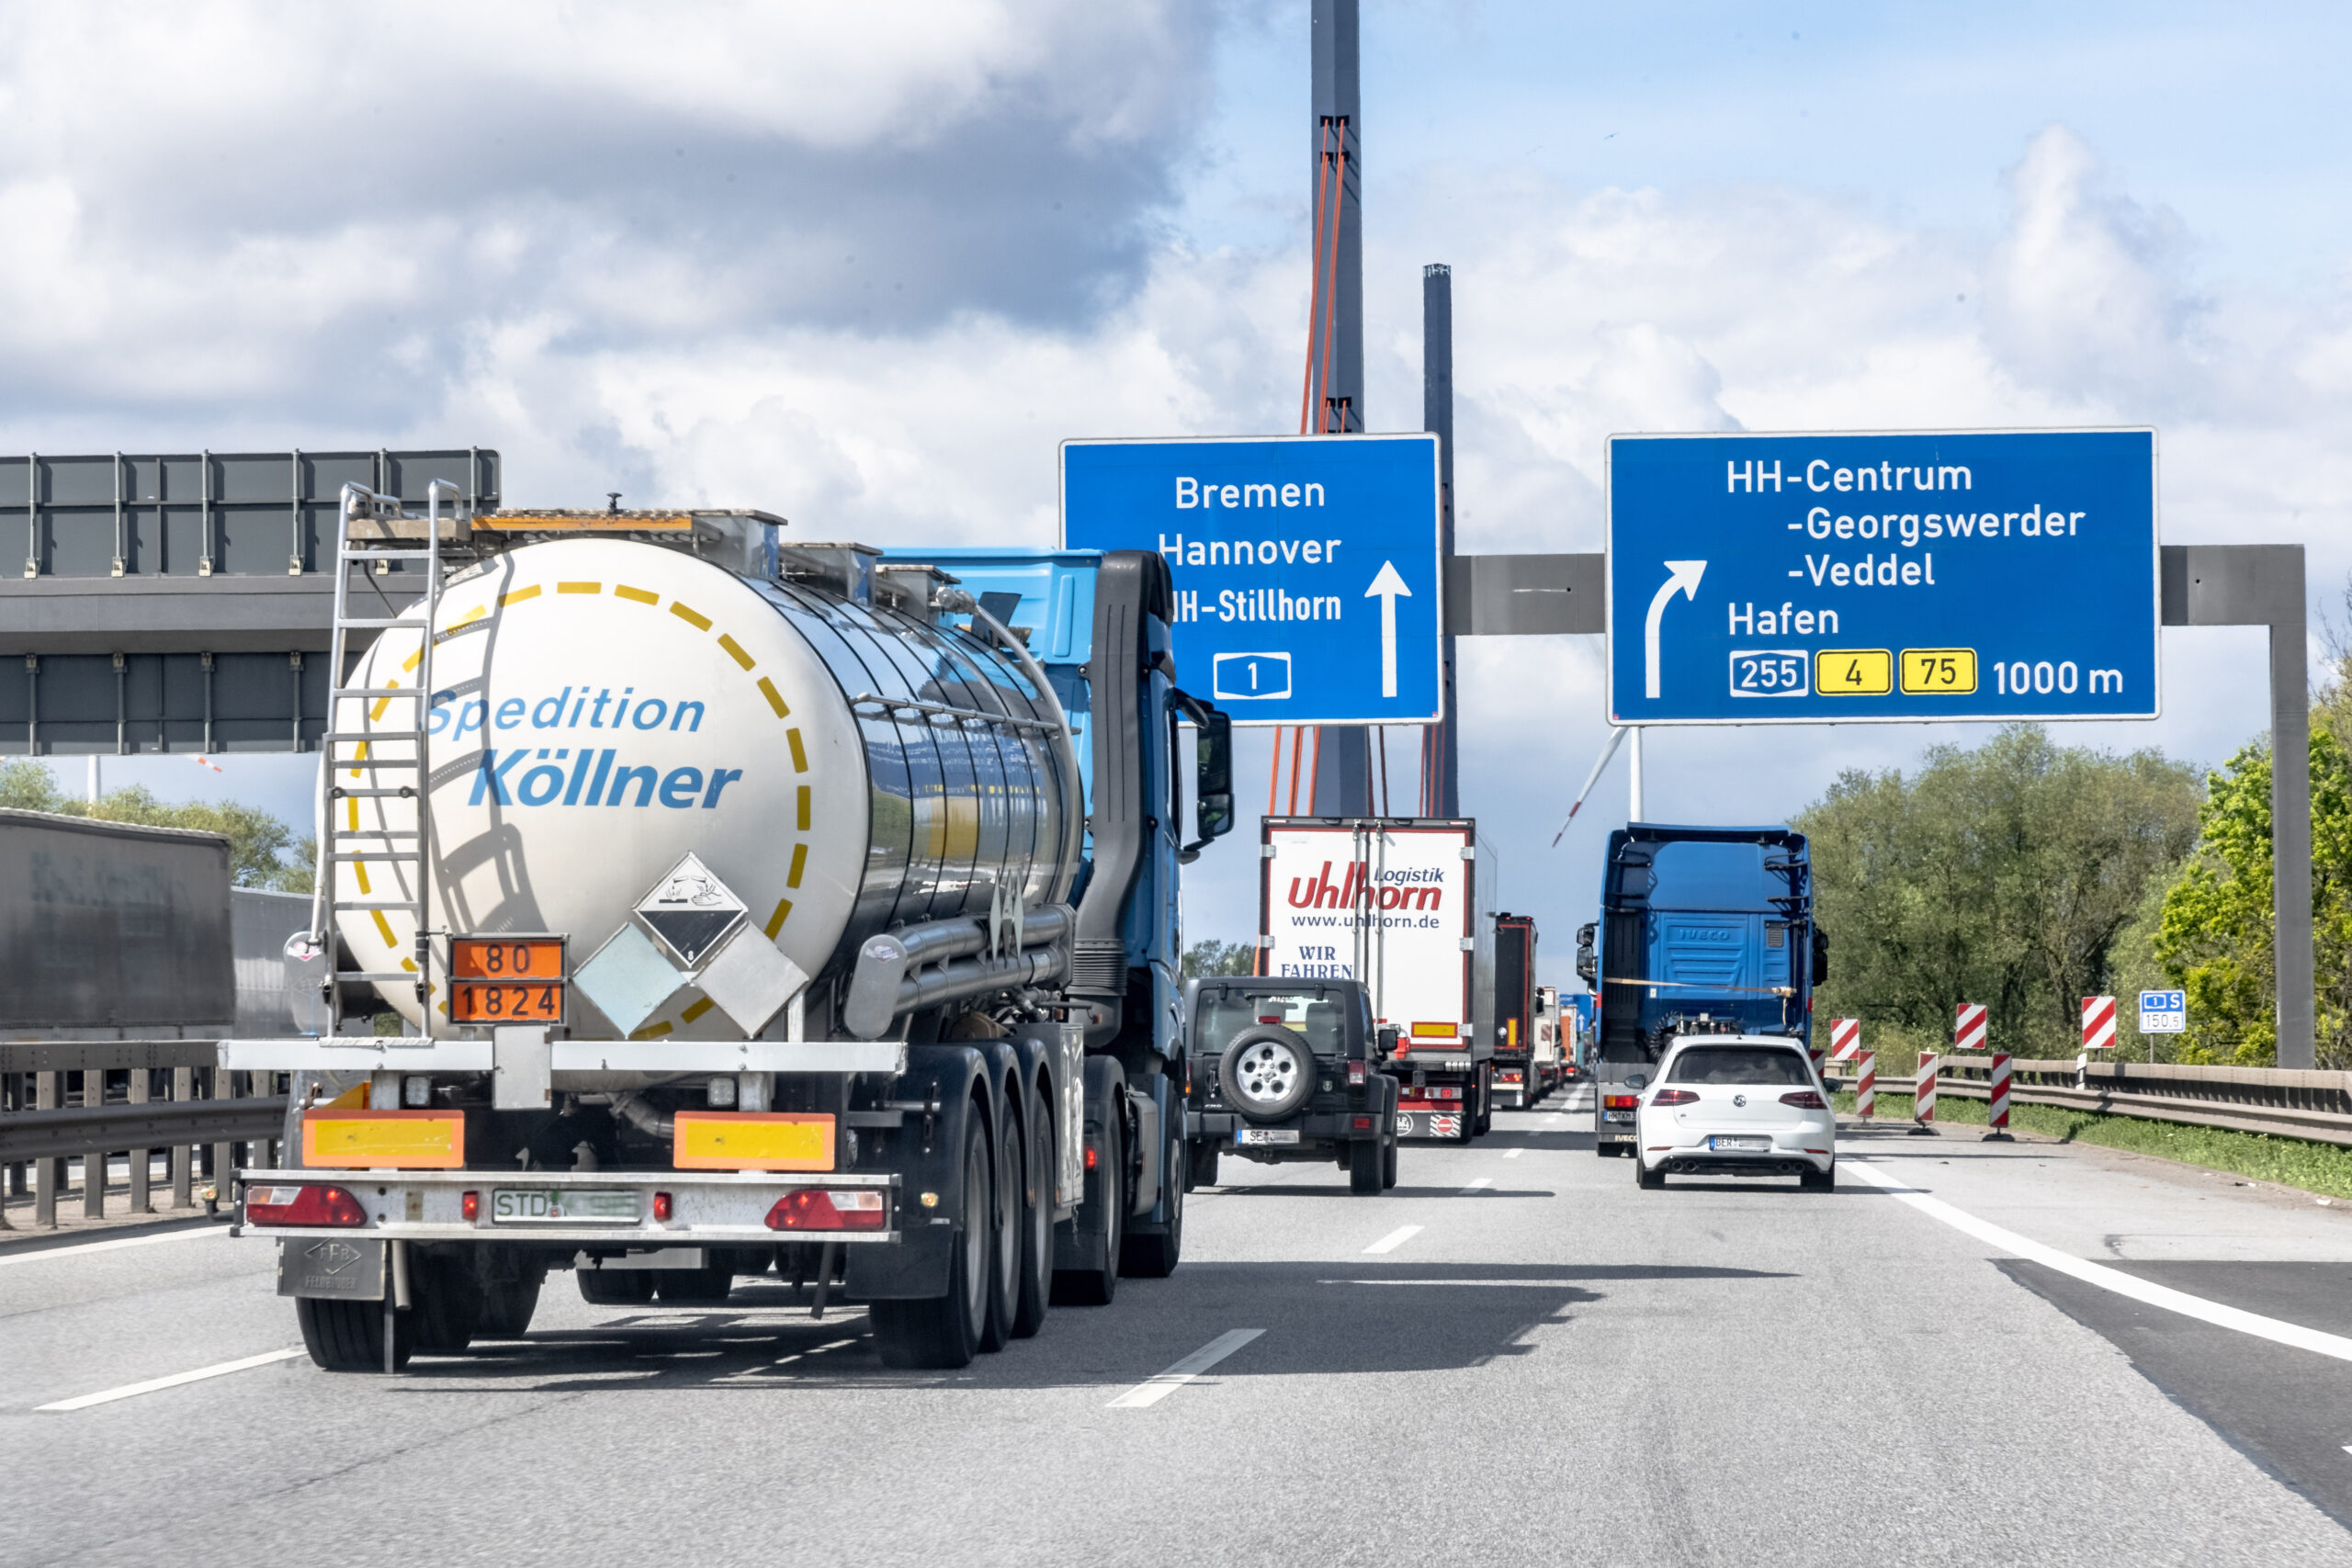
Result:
1515,1357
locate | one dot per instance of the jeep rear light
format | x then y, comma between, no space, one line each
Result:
1674,1097
1363,1124
302,1206
1270,1018
1357,1073
1805,1099
824,1209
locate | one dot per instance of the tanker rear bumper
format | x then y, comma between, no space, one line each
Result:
708,1208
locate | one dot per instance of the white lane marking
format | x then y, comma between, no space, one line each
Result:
1395,1239
1154,1389
84,1248
133,1391
2273,1329
1513,1284
1477,1185
1513,1153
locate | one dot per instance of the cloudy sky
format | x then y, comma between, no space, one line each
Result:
865,265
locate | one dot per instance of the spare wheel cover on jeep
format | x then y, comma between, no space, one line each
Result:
1267,1073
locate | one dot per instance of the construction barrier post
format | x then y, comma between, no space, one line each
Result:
2000,1100
1866,1090
1968,1027
1923,1103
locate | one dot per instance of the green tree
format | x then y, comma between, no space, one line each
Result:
2003,874
1220,958
257,840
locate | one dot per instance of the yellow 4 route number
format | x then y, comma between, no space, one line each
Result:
1853,671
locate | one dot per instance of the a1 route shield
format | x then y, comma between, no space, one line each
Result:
1306,568
1904,577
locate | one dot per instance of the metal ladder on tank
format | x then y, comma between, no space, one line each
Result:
398,850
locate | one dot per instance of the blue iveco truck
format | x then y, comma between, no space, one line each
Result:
1702,930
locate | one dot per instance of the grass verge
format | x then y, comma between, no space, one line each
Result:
2324,1168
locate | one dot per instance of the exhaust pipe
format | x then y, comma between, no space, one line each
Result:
886,983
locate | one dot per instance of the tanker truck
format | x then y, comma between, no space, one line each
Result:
743,905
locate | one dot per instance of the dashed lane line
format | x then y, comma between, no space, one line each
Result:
155,1385
83,1249
1159,1386
1477,1184
2222,1316
1395,1239
1513,1153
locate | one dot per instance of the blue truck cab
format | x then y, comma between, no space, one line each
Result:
1702,930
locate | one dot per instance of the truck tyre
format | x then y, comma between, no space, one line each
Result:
1037,1226
348,1337
693,1287
1090,1286
507,1306
1267,1073
446,1297
1365,1157
1486,1091
1388,1163
1200,1163
615,1286
943,1331
1155,1256
1004,1221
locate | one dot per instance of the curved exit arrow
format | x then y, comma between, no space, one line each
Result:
1683,575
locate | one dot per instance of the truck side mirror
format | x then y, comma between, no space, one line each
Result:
1820,956
1212,779
1587,964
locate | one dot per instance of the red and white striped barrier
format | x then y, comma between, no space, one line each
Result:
2098,1023
1866,1087
1845,1038
1968,1027
2000,1117
1923,1107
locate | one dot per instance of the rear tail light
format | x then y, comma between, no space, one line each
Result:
1805,1099
302,1206
470,1204
1620,1102
1089,1156
1270,1018
1674,1097
663,1207
834,1209
1363,1124
1357,1072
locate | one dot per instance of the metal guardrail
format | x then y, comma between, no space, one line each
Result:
2282,1102
175,1100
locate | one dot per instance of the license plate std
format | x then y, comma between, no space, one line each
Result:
1740,1146
1616,1116
563,1206
1247,1136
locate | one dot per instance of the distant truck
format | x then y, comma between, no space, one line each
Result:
1702,930
1551,1052
1519,1081
1576,1024
1393,902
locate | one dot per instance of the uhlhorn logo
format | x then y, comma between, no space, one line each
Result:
1355,887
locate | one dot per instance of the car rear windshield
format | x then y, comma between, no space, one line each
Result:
1225,1014
1740,1065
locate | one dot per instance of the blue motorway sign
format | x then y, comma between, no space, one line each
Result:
1917,576
1306,568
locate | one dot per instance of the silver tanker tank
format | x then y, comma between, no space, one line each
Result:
603,707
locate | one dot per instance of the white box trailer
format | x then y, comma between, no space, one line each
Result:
1393,902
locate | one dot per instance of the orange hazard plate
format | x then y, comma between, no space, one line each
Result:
384,1140
750,1140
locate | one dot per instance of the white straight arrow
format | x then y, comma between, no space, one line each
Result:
1386,588
1683,575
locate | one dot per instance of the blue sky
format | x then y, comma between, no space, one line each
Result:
868,277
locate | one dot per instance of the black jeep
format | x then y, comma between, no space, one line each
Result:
1284,1070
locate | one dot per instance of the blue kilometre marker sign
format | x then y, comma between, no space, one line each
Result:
1906,577
1306,568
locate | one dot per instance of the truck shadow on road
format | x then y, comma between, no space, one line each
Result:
1432,1317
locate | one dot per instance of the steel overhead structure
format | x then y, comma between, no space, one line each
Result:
2202,585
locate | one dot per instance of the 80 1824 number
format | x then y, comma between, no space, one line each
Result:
1769,672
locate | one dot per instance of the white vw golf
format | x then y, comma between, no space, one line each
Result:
1736,1105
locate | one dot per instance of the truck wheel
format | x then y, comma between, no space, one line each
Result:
1005,1251
1091,1286
1365,1160
1037,1226
1267,1073
348,1337
1486,1091
507,1306
693,1287
943,1331
1200,1163
1388,1165
446,1301
1155,1256
615,1286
